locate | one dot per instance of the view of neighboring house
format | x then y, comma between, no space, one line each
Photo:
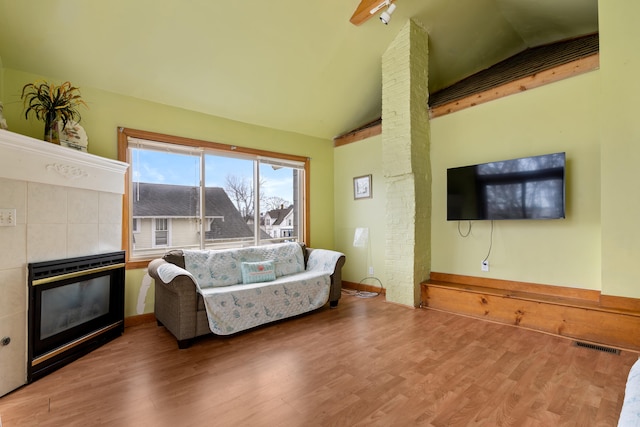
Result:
278,223
168,216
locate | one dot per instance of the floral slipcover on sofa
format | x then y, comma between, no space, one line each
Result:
231,290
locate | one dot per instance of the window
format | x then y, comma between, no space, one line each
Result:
161,232
184,193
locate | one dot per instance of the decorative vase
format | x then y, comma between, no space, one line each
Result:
51,131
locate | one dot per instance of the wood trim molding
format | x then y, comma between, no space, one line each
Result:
570,69
621,303
511,285
123,145
363,12
126,232
358,135
134,265
551,75
306,203
363,287
191,142
139,319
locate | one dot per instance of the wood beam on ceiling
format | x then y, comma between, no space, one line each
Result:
570,69
366,10
363,132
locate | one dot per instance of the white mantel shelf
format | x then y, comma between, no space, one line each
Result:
24,158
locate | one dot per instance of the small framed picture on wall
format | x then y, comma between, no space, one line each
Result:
362,187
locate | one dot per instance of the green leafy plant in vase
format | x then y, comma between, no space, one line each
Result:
53,104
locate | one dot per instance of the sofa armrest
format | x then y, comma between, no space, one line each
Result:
167,272
176,301
331,261
182,284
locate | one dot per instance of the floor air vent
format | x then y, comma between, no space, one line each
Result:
597,347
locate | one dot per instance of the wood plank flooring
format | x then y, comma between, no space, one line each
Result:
366,363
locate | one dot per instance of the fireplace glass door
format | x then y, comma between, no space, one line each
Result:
75,305
65,307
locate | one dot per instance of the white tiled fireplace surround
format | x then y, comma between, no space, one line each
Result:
67,204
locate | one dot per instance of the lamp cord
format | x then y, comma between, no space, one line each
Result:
365,294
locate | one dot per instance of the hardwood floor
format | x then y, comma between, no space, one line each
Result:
365,363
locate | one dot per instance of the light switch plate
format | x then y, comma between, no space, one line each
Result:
7,217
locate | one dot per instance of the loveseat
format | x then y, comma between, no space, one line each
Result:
198,292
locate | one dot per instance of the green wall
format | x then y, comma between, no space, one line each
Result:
620,139
1,81
562,116
593,118
107,111
352,160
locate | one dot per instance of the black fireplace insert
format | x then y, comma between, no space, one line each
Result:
75,306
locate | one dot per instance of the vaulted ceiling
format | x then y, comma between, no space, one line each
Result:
287,64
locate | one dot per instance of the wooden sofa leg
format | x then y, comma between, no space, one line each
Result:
159,323
182,344
333,304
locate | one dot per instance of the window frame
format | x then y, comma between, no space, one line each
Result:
123,149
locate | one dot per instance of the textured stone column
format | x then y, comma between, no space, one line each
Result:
406,164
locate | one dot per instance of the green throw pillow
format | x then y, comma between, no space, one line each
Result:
255,272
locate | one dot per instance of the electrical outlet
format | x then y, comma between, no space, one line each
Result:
485,265
7,217
370,271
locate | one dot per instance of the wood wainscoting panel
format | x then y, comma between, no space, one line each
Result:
554,313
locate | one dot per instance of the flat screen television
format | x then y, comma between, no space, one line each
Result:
525,188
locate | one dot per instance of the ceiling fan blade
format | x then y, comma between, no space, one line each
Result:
366,10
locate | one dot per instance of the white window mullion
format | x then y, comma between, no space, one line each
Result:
203,214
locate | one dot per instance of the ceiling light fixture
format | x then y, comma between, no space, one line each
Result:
385,16
367,9
379,6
